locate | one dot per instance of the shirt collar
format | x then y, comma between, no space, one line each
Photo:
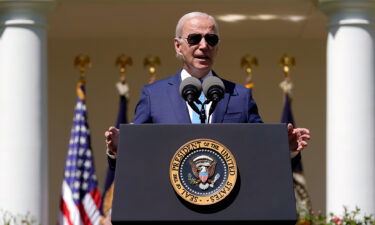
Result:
185,74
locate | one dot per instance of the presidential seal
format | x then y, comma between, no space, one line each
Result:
203,172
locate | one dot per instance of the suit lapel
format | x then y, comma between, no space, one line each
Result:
222,106
177,102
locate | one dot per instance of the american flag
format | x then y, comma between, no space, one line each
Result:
80,198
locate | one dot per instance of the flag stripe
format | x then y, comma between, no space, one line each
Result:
83,214
91,208
67,198
65,212
95,195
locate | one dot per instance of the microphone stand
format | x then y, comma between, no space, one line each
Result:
202,113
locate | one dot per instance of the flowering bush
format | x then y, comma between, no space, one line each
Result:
7,218
349,218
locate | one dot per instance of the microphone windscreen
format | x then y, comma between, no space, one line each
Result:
210,82
190,81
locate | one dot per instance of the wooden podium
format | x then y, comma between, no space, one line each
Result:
263,192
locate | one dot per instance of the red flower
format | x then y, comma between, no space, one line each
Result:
336,220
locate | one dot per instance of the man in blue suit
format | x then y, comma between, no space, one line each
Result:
196,44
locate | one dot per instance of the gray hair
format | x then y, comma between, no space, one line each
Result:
192,15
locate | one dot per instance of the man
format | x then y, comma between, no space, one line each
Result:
196,44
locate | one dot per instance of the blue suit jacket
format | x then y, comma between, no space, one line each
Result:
161,102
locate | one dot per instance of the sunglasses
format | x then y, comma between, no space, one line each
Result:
194,39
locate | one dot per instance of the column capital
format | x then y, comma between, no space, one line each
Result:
349,12
25,12
40,6
331,6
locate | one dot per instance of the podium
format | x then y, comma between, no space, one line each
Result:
263,192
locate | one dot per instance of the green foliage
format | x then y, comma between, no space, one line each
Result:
348,218
8,218
192,180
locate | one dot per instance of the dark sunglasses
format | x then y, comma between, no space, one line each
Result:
194,39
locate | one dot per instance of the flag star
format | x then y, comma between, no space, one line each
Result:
77,128
81,151
77,184
71,141
88,153
79,105
84,107
85,186
70,152
78,117
82,140
87,164
76,196
83,129
76,139
86,175
67,173
93,177
68,163
79,163
78,173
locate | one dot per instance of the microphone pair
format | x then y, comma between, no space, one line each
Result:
212,87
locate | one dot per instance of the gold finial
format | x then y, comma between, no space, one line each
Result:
151,62
122,61
248,62
287,62
82,62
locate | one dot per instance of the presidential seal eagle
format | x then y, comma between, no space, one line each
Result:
203,168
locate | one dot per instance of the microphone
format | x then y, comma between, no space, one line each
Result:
213,89
190,90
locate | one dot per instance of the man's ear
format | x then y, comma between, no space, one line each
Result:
177,46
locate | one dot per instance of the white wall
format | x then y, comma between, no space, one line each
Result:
102,100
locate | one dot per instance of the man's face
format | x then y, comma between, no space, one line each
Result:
198,59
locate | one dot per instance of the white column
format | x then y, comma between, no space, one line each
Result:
350,105
23,108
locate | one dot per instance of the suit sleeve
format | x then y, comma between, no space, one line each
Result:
253,115
143,108
111,163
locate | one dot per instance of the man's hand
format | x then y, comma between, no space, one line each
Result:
298,138
111,140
